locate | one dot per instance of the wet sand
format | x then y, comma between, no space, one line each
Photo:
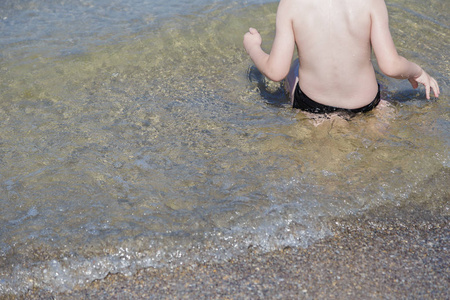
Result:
396,252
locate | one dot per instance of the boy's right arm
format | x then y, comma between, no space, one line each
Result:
390,63
275,65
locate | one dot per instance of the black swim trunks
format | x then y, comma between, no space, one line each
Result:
304,103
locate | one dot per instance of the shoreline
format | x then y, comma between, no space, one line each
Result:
388,253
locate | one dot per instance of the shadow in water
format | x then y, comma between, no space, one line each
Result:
407,94
273,93
400,91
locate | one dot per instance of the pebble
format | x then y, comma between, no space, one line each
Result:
391,257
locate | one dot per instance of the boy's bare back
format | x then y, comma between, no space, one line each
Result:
334,48
334,41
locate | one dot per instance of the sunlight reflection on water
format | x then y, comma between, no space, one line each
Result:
123,149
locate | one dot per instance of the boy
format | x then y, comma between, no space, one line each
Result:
334,41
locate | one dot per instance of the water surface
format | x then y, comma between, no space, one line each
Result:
132,137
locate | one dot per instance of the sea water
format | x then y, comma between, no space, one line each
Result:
136,134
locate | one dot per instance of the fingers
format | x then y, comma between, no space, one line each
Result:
429,83
414,83
252,30
432,85
435,87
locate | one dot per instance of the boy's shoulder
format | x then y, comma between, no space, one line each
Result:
367,3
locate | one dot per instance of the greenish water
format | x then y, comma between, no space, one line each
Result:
132,137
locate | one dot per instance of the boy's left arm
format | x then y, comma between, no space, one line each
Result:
275,65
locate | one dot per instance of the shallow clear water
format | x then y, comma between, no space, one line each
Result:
131,136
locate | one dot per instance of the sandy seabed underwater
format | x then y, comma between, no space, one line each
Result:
135,134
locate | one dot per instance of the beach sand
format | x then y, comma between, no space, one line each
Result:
389,253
